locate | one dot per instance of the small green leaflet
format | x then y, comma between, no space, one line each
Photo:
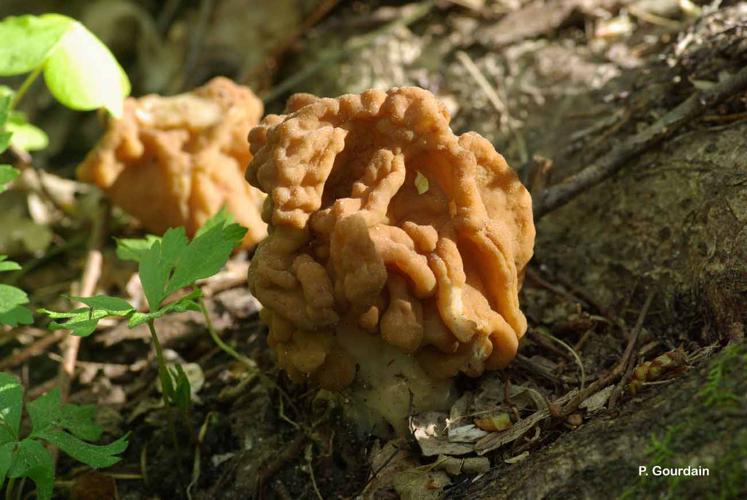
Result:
68,427
13,311
82,322
7,173
11,401
25,136
79,69
8,265
134,249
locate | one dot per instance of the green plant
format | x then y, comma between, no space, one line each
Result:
78,68
13,310
69,427
166,265
715,391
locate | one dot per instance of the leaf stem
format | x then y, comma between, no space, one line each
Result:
25,86
9,489
219,341
163,372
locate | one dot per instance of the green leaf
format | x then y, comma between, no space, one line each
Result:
158,263
8,265
6,98
133,249
28,40
186,303
11,404
7,174
19,315
45,411
182,397
207,253
7,452
26,136
80,420
79,70
95,456
83,321
11,297
113,306
83,74
172,262
32,460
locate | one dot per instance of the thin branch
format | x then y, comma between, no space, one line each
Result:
619,368
91,275
606,166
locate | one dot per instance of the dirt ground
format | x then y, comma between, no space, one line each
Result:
638,279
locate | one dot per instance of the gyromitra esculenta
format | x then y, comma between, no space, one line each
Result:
396,249
175,161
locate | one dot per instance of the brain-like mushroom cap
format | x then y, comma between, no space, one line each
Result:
382,220
175,161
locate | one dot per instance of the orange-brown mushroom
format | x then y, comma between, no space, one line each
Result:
390,239
175,161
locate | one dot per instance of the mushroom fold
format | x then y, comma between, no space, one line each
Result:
175,161
385,224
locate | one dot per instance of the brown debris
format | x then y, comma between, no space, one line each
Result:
174,161
353,246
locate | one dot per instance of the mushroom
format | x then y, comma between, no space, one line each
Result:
396,248
175,161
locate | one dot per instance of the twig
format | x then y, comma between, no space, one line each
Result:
38,347
606,166
631,353
291,451
505,119
91,275
484,85
619,368
310,466
355,44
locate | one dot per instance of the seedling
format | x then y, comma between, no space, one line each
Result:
166,265
69,427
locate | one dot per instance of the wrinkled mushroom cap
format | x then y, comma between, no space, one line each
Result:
382,221
175,161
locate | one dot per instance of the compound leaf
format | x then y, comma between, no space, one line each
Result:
32,460
11,404
95,456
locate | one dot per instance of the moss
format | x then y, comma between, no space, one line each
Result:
681,444
731,363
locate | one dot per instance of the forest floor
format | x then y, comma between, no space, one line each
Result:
636,297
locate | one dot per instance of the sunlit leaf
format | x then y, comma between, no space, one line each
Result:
8,265
26,136
83,74
28,40
10,297
7,174
79,69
